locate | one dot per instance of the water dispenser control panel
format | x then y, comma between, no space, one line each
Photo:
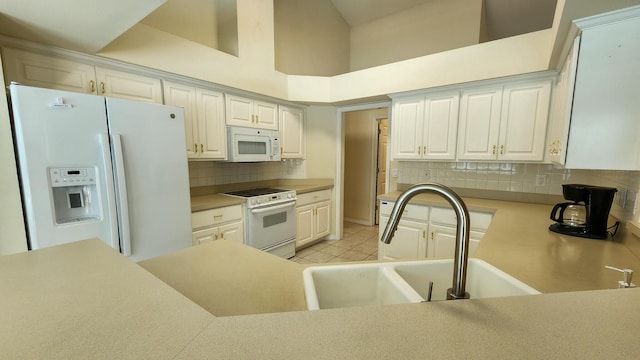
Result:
75,194
72,176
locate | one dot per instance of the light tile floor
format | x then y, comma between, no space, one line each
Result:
358,243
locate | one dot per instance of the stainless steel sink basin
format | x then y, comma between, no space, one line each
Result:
335,286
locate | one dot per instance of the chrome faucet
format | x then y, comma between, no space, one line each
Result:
457,291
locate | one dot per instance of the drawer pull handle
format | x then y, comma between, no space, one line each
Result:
218,216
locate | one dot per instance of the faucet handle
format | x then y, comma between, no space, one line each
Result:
627,275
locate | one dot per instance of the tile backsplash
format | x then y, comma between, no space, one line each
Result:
206,173
519,177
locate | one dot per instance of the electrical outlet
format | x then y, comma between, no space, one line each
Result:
541,180
394,173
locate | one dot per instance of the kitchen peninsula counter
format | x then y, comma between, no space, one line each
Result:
84,300
519,243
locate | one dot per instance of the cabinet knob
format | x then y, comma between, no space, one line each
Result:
102,91
493,150
501,149
92,86
195,148
201,148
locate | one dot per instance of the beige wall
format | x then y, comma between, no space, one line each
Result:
321,129
254,68
12,237
195,20
311,38
360,130
426,29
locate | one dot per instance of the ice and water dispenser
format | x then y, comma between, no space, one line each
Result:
75,194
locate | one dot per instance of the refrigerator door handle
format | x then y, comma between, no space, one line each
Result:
121,198
111,206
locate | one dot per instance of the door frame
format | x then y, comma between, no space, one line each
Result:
340,155
375,168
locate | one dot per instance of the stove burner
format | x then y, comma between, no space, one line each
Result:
255,192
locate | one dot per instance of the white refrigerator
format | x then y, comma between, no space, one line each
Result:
92,166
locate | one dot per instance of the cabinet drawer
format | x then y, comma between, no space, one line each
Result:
216,216
479,220
312,197
411,211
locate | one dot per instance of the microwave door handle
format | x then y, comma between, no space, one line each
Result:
271,208
125,234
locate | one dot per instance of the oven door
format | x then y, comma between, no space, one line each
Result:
271,224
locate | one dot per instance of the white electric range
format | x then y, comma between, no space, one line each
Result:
270,220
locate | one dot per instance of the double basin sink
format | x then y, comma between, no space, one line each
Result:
381,283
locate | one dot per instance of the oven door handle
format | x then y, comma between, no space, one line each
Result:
271,208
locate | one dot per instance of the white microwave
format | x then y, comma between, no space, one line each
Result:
252,145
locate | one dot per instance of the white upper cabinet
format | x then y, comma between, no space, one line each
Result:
204,119
425,127
506,123
246,112
479,124
128,86
606,102
54,73
560,117
292,136
523,122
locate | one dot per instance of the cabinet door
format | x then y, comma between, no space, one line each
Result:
48,72
442,241
292,133
128,86
211,124
560,117
523,124
322,219
409,242
441,127
266,115
479,124
200,237
239,111
407,123
185,96
305,224
604,119
233,232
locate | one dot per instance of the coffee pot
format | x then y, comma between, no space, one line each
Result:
570,213
587,214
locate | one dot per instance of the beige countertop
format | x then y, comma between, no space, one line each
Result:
83,300
210,198
226,279
518,242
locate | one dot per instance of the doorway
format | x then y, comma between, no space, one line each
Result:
365,133
381,171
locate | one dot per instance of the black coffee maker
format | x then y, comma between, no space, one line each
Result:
586,216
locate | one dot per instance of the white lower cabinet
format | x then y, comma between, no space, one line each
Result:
217,224
428,232
313,215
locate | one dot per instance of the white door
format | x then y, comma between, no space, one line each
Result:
151,168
